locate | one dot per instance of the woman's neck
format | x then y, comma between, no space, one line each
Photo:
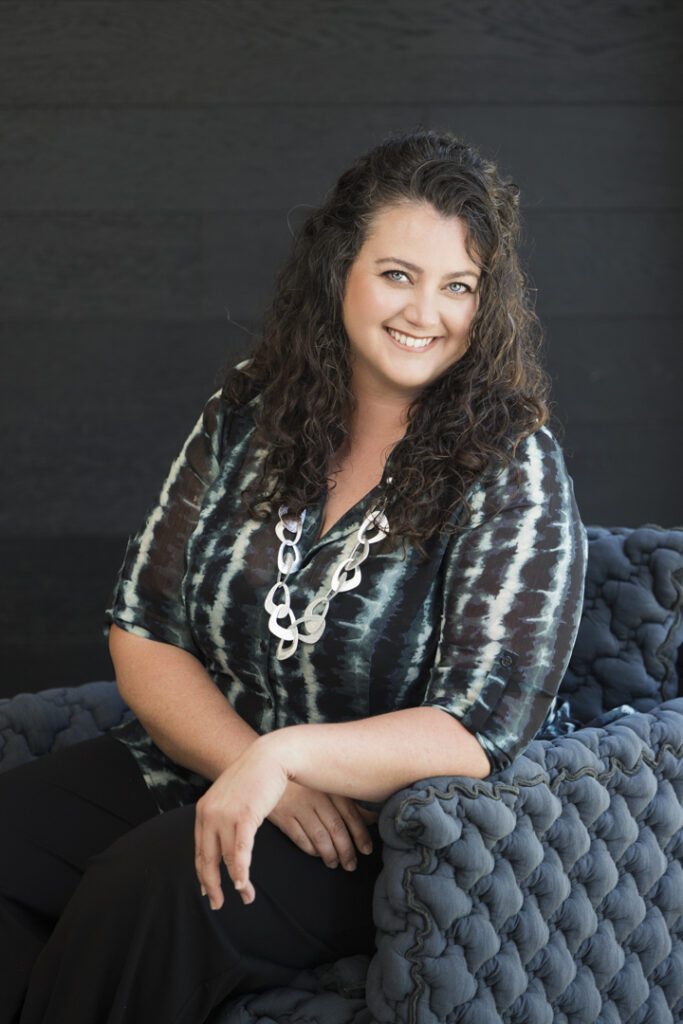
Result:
377,423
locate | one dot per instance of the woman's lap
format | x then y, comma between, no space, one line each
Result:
302,907
304,913
56,811
59,809
139,894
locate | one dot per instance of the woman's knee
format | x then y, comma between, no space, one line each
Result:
159,852
20,807
57,812
36,868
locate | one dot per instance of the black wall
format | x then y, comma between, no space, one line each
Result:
152,157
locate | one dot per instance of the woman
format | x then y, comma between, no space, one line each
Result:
370,524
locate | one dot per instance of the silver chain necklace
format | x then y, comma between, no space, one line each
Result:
289,560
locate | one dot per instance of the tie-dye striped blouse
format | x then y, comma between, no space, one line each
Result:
483,630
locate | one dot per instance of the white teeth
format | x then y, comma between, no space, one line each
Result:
409,342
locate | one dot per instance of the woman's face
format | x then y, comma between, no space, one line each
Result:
433,298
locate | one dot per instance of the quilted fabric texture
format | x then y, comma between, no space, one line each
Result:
554,893
631,627
330,994
32,724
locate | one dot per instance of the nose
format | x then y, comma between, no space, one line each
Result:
422,312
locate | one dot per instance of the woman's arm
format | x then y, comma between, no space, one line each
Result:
159,671
513,599
178,703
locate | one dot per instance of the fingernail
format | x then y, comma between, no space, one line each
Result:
334,864
239,884
367,848
203,891
213,904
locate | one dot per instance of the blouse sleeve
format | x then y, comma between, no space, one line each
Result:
512,602
146,599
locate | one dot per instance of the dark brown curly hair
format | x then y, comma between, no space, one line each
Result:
471,418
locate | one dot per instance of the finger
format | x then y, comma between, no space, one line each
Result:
198,860
369,817
240,862
246,891
336,825
361,835
297,833
355,824
319,835
311,821
198,867
210,857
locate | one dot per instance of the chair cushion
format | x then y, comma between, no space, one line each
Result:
631,627
552,891
332,993
33,724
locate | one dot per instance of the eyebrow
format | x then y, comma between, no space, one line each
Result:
418,270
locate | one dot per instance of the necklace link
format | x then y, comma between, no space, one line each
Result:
312,621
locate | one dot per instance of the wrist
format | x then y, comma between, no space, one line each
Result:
279,747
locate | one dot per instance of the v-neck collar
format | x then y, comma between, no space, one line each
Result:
350,522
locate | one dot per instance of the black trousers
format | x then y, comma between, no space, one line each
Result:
101,916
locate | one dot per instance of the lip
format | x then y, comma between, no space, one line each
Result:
414,351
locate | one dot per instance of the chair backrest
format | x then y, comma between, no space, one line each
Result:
628,648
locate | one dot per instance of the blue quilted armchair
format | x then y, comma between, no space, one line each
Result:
549,892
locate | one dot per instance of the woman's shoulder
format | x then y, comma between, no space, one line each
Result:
219,408
543,438
246,409
540,444
225,422
535,467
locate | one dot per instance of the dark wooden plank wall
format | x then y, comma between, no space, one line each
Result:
153,157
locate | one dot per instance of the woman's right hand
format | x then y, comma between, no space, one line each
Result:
323,825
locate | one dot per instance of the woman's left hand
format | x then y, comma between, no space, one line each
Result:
228,816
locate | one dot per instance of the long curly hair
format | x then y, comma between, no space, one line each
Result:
462,424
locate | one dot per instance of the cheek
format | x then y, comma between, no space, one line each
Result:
368,301
468,310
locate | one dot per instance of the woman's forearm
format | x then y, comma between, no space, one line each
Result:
178,703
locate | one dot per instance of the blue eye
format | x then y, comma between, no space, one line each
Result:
461,284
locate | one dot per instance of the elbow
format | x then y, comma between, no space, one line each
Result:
498,760
471,759
479,761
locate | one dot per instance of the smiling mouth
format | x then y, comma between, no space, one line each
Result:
409,343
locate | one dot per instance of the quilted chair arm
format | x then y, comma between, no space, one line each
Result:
550,890
33,724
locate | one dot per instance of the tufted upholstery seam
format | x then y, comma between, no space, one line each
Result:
677,578
494,791
631,629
